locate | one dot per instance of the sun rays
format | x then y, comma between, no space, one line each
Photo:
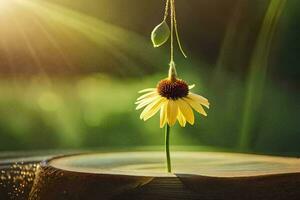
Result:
49,36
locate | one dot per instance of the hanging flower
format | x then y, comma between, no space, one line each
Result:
172,96
174,100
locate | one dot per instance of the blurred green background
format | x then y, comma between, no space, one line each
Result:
70,71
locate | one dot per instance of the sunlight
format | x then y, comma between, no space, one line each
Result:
5,5
28,26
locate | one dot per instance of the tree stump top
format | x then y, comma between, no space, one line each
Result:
142,175
193,163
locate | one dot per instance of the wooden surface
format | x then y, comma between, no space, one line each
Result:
17,172
141,175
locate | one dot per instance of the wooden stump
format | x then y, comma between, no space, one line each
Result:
141,176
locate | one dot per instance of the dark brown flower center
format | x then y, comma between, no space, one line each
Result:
173,89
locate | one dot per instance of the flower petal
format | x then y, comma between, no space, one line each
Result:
150,106
154,109
147,98
163,114
147,90
181,118
199,98
147,101
186,110
191,86
196,105
149,94
172,111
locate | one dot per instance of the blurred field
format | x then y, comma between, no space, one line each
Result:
70,72
98,111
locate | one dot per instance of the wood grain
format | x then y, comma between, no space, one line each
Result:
141,175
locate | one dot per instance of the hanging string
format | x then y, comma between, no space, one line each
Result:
172,31
176,30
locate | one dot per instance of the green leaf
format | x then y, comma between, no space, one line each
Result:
160,34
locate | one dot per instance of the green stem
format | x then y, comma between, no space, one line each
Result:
166,10
167,147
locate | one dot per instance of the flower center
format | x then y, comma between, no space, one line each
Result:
173,89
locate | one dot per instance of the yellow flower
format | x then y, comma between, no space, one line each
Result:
174,100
